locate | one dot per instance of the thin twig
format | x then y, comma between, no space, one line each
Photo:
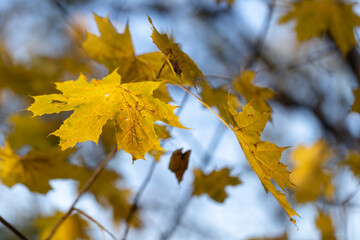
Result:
12,228
184,203
82,191
216,138
96,222
203,103
161,69
134,205
219,77
262,36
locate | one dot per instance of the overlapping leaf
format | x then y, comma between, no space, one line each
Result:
214,183
131,105
317,17
182,65
219,98
252,93
263,157
116,51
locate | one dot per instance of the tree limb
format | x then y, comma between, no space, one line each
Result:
82,191
12,228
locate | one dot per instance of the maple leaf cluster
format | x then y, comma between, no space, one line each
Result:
130,109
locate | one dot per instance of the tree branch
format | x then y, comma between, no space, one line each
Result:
82,191
96,222
12,228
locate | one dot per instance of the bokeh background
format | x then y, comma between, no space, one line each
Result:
40,42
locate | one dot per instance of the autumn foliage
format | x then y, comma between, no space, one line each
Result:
130,109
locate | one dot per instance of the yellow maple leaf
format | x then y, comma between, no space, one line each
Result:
316,17
131,105
214,183
181,64
35,169
72,228
325,225
263,157
308,173
254,94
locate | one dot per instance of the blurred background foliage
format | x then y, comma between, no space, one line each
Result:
306,55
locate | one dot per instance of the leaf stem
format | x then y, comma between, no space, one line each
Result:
82,191
96,222
203,103
12,228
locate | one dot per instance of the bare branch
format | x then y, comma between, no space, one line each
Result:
82,191
96,222
135,203
12,228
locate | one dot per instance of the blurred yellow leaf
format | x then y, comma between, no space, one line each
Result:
254,94
131,105
213,184
35,169
353,161
263,157
356,104
308,173
324,224
32,132
317,17
73,228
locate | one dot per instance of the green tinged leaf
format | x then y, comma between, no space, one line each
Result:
213,184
